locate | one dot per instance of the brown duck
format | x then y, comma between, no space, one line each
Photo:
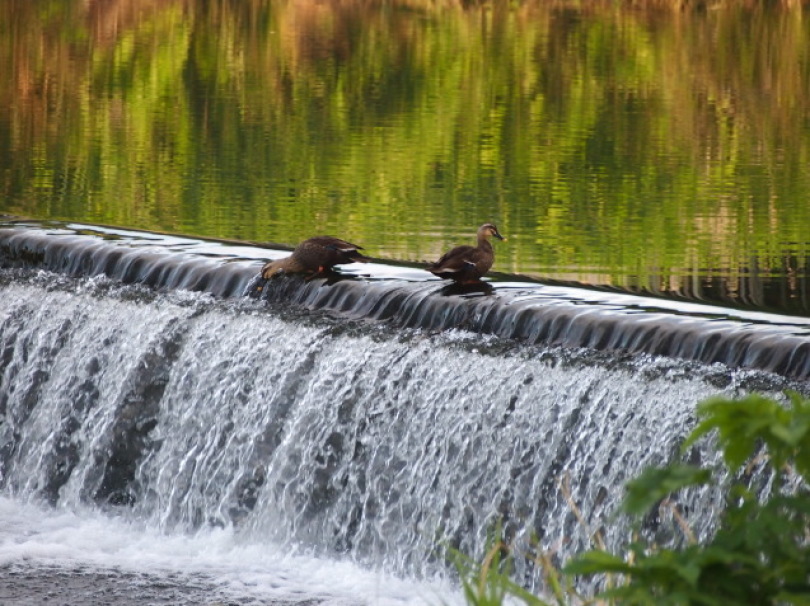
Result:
315,256
467,264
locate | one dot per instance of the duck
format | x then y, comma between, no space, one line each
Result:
467,264
316,256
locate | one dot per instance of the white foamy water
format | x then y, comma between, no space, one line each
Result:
200,451
230,570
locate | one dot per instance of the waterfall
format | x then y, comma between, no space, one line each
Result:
402,296
335,434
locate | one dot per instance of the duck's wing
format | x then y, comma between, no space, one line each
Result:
326,251
457,259
332,243
348,252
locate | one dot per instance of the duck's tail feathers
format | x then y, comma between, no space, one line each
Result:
356,256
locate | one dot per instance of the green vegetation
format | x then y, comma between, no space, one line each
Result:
759,555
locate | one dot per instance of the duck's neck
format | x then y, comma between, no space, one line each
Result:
483,242
287,264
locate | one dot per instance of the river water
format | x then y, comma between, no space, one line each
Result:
648,148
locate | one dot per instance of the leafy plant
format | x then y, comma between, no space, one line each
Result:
760,554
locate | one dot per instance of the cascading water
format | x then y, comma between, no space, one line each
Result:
335,436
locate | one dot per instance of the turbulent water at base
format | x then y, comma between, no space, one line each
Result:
352,445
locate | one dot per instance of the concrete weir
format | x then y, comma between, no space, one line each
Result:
528,312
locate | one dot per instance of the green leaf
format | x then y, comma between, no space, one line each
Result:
656,483
596,562
743,424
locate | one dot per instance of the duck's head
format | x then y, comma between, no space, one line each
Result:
487,230
272,269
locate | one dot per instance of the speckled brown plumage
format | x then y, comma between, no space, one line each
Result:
316,255
467,264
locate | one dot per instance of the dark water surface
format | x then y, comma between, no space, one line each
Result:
59,586
646,149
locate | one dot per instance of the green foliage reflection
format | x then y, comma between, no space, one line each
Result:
643,148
